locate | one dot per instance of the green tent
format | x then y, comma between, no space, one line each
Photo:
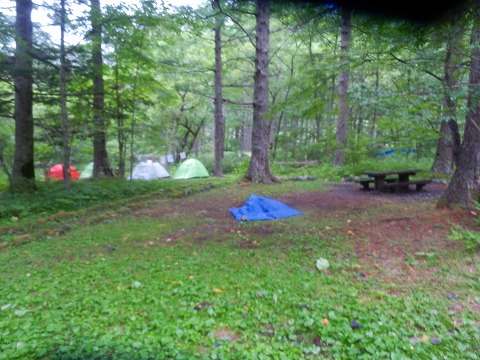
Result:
190,168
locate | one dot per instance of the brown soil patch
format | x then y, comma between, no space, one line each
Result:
392,233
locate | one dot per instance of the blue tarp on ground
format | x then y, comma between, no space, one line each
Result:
262,208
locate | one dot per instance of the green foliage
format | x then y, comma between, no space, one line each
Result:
470,239
52,197
231,161
242,167
135,287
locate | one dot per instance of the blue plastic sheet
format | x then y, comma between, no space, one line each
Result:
262,208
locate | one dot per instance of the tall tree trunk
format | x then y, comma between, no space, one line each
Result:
464,186
122,135
245,132
134,105
342,121
373,123
219,118
101,165
448,145
259,168
23,174
67,178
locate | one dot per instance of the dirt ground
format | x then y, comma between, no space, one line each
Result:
403,223
400,238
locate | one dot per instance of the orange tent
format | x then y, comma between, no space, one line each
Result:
56,172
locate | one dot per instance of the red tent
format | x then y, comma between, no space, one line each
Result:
56,173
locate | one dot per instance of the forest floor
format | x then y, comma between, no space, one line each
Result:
173,273
397,237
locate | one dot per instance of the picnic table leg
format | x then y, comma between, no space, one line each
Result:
379,181
404,178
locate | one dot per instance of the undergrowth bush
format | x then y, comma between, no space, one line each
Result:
52,197
470,238
231,160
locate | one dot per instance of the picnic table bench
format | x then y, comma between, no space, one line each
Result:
367,181
419,184
392,180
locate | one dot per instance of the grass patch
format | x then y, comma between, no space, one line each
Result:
118,283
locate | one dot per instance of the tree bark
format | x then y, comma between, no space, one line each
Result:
342,122
219,118
122,135
23,173
259,168
464,186
448,145
101,165
67,178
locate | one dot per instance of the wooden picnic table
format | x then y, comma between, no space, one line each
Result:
401,176
392,180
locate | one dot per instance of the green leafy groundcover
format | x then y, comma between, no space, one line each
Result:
128,289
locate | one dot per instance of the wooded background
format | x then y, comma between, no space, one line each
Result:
122,80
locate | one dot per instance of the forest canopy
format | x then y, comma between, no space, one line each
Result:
141,79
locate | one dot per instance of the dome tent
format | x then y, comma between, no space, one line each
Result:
191,168
87,171
149,170
56,172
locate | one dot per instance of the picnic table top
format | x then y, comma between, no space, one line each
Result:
391,172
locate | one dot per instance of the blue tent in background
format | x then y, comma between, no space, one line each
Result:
393,152
262,208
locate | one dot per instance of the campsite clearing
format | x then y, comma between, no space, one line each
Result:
185,273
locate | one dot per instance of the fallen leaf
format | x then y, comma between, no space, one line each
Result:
118,288
218,291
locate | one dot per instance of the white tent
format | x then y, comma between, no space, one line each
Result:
149,170
87,171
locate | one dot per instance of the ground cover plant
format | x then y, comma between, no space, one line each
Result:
173,276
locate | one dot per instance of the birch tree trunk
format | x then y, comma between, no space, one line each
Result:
23,173
259,168
342,121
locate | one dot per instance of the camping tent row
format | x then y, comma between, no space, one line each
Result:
145,170
188,169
